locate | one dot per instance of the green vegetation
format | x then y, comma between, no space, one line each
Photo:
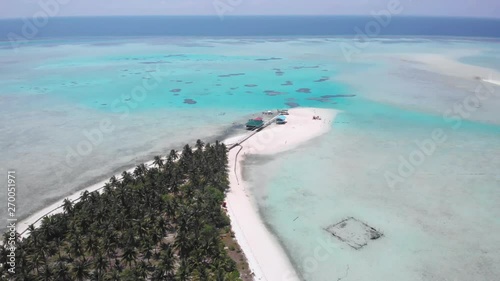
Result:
159,223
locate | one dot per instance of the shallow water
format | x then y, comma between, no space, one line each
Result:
439,222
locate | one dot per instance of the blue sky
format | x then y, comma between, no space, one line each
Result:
28,8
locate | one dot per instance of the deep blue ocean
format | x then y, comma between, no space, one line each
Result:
252,26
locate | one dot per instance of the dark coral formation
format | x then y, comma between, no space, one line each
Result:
268,59
292,104
273,93
231,74
304,90
170,56
337,96
154,62
322,79
189,101
306,67
278,72
319,99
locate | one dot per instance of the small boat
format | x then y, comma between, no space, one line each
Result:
281,119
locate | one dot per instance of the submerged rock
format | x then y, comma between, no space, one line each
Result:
337,96
304,90
319,99
267,59
322,79
189,101
273,93
303,67
292,104
231,74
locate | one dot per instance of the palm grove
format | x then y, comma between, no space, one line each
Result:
158,223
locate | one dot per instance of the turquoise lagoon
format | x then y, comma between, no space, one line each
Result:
440,222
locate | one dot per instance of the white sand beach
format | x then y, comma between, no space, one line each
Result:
495,82
451,66
266,258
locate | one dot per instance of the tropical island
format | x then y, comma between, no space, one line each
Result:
186,216
165,222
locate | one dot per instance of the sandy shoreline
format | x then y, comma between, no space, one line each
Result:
450,66
265,256
495,82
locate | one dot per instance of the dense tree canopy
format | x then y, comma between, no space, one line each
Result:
159,223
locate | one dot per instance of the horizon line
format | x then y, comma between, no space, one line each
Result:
260,15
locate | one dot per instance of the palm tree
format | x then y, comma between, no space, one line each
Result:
68,206
80,270
167,260
33,237
129,255
172,156
131,217
84,196
47,273
113,275
108,188
199,145
126,178
91,245
37,260
47,228
140,171
75,247
114,181
158,162
100,263
142,270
